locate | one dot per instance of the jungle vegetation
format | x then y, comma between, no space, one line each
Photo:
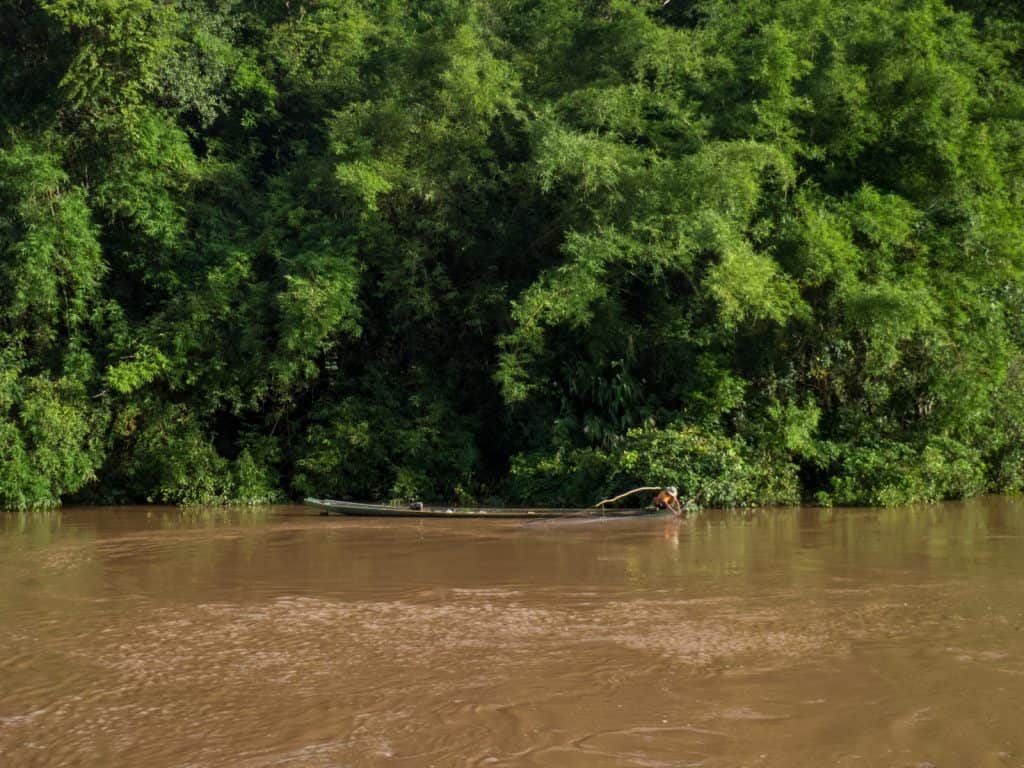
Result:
511,250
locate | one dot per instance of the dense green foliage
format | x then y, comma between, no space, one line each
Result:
766,250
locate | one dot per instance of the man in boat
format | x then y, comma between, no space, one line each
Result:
668,499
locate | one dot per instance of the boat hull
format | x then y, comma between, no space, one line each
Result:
391,510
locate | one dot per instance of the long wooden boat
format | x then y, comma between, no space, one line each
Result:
419,510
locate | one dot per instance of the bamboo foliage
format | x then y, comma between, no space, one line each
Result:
537,251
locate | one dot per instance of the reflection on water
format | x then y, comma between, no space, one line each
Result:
273,636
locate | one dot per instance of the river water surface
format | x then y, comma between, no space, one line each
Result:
276,637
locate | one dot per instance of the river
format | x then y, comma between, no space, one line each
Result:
276,637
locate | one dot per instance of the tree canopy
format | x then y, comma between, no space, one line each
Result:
520,251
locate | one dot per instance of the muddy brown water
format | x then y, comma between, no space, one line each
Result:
276,637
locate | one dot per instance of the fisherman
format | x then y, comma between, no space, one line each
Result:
668,499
